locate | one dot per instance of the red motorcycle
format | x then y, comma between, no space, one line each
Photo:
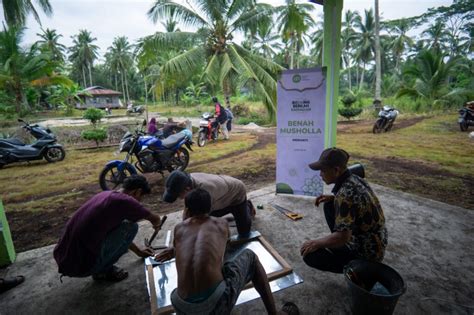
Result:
206,130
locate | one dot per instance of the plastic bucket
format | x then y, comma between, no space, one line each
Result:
362,275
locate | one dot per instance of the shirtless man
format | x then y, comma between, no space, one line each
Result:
206,285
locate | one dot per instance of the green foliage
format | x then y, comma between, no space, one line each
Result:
349,112
94,115
97,135
348,100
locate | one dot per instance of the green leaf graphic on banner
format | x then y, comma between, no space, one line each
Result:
283,188
296,78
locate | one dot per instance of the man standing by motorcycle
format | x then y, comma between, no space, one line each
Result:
353,214
229,195
221,118
102,230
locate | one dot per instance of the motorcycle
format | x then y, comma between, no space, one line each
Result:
135,110
14,150
152,155
466,118
206,131
386,119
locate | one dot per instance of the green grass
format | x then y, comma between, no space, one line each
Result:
435,141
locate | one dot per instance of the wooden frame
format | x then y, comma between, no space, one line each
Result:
286,269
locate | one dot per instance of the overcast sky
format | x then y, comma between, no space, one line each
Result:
107,19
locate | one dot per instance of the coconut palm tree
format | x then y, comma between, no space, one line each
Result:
83,54
24,68
225,63
436,36
347,38
378,62
16,11
266,41
364,41
294,21
427,78
400,41
49,42
119,57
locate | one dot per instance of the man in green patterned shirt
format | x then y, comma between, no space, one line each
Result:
354,216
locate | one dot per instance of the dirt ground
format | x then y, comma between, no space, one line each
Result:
34,229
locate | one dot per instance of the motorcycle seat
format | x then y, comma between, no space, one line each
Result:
172,140
14,141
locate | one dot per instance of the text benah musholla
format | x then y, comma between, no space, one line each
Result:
300,127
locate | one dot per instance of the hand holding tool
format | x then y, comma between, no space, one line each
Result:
148,242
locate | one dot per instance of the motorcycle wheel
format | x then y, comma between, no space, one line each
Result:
463,126
111,177
180,160
389,127
54,154
378,126
202,139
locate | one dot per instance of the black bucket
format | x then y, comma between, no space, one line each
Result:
361,276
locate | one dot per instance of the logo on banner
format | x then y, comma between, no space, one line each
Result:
296,78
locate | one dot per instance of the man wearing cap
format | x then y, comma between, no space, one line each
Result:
102,230
228,195
353,214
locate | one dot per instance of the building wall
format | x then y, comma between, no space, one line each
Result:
100,102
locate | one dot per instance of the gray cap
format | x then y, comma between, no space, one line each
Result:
175,184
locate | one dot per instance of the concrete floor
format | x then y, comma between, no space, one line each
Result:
430,245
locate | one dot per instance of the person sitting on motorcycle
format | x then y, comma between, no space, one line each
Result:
151,130
229,195
353,214
171,127
221,117
102,230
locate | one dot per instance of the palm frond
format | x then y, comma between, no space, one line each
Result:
185,63
161,9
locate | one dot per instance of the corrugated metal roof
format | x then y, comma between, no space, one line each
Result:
98,90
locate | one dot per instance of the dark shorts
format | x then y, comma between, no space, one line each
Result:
237,273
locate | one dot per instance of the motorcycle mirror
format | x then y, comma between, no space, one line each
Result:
144,123
21,120
357,169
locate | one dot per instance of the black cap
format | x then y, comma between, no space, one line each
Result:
175,184
331,157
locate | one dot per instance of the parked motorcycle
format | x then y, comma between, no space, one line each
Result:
14,150
466,118
386,119
206,131
152,155
135,110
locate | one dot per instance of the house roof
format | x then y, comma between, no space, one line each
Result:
99,91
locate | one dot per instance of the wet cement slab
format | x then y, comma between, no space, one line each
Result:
430,245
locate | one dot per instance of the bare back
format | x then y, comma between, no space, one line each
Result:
200,244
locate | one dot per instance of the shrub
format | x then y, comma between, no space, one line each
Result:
348,100
349,112
94,115
97,135
240,110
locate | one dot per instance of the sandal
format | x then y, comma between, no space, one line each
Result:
115,274
7,284
290,308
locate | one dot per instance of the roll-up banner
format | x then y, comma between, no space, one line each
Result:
300,130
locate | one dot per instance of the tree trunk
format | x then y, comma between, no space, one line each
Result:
292,53
116,86
378,63
90,74
84,76
123,89
350,77
362,77
176,96
126,85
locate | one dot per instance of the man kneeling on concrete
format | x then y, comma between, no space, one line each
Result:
354,216
228,195
102,230
206,285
